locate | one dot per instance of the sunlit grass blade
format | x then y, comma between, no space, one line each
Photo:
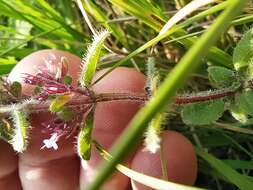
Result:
28,40
6,68
41,21
182,13
156,19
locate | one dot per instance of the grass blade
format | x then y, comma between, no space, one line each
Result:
230,174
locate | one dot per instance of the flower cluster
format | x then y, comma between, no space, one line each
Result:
50,83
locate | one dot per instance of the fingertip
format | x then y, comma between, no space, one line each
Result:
57,174
10,181
8,159
115,115
38,60
121,79
88,172
179,157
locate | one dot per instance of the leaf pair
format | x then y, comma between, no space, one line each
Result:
204,113
88,70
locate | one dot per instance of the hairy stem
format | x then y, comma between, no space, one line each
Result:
204,96
35,106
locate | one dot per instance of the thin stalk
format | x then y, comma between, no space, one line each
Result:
165,93
230,127
37,106
163,163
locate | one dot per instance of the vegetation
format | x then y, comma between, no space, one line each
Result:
211,46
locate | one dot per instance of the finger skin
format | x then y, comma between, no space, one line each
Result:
10,182
34,160
180,159
37,60
110,119
8,168
8,159
56,174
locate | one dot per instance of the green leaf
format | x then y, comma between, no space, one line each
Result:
67,80
230,174
243,52
21,126
91,59
6,130
66,113
4,97
58,103
221,76
16,89
202,113
5,69
238,113
84,139
244,102
239,164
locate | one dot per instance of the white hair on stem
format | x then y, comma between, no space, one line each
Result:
18,106
21,126
152,140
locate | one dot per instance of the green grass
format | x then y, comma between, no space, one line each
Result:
31,25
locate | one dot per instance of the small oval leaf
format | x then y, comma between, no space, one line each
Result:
58,103
84,139
89,62
20,134
16,89
66,114
244,102
202,113
67,80
243,52
221,76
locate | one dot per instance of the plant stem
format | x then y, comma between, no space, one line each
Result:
204,96
107,97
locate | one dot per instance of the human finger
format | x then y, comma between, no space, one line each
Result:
42,168
9,179
177,154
